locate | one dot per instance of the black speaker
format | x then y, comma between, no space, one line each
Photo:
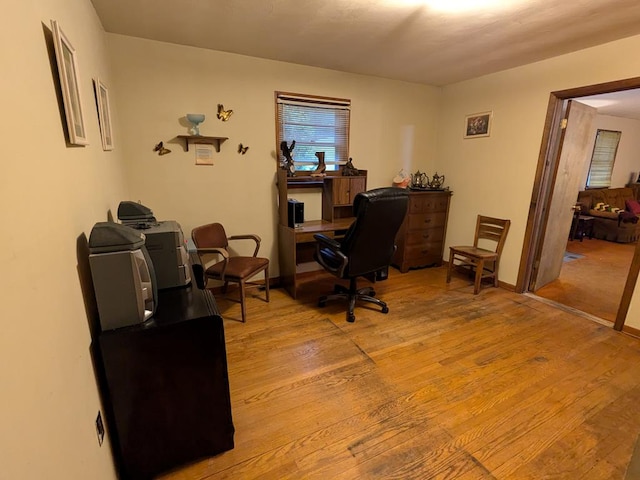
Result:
296,213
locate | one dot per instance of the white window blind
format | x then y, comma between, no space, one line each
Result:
317,124
603,158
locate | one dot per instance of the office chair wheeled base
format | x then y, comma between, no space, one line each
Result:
351,294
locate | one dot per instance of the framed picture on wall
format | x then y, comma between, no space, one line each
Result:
104,113
67,61
478,125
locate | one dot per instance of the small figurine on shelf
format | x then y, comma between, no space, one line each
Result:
349,170
288,164
320,169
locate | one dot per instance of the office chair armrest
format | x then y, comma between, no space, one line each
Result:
220,251
249,236
327,241
340,262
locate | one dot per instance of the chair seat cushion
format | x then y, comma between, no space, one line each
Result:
239,267
474,252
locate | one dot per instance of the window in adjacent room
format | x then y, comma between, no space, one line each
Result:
602,159
317,124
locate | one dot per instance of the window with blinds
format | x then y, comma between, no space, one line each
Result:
317,124
602,159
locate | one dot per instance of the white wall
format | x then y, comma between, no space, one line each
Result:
393,125
495,175
50,197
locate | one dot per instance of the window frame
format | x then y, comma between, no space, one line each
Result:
282,97
602,180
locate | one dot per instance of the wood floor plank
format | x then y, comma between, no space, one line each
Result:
448,385
607,433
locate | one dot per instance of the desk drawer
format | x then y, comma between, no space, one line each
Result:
421,221
308,237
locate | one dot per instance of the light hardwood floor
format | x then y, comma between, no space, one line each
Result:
595,282
448,385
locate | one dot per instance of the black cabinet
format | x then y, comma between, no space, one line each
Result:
165,386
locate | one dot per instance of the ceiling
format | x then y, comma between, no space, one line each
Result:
397,39
618,104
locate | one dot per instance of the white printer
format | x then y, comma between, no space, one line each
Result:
164,242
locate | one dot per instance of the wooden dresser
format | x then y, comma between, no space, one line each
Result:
420,240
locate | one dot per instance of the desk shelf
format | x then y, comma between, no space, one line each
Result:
305,182
297,245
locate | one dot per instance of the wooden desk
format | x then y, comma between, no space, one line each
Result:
297,245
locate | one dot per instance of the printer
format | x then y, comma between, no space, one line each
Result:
164,241
123,276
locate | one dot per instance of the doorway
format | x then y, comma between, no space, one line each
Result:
592,277
539,226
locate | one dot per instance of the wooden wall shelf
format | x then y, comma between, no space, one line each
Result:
215,141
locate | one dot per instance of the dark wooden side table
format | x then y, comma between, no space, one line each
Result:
583,227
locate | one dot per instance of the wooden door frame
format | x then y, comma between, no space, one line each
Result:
545,178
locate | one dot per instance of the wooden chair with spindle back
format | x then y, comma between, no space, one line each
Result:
477,260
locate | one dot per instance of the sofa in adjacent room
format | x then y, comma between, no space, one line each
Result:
613,212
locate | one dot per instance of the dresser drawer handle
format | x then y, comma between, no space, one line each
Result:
426,236
428,220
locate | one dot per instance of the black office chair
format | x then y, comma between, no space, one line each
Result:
367,248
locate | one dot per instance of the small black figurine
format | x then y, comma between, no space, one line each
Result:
288,157
349,170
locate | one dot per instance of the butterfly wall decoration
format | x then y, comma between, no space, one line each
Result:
242,149
223,114
161,149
